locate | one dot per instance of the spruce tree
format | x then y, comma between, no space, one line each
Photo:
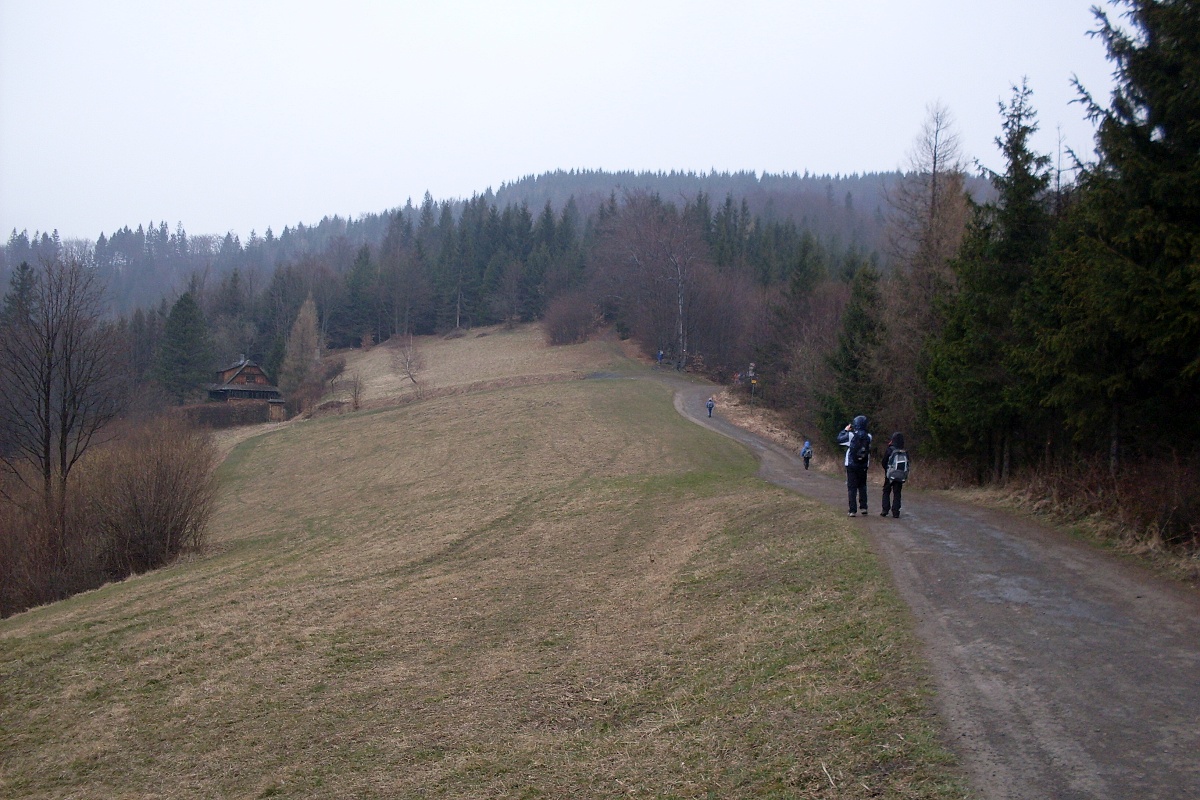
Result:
977,398
20,292
855,388
1120,341
185,361
358,315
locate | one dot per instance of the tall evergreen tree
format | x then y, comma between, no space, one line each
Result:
185,361
358,315
855,388
1120,349
977,398
20,291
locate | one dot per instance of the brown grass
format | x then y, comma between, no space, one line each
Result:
558,590
134,503
483,354
1127,515
482,358
758,419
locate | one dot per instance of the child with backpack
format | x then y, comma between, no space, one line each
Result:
806,452
895,473
857,441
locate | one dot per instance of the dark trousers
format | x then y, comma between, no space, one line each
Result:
856,488
890,504
806,458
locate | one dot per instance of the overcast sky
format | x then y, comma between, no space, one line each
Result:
232,116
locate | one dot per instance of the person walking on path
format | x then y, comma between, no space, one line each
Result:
857,441
709,405
892,487
806,452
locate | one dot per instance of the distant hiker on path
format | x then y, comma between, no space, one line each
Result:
806,452
895,473
709,405
857,441
660,355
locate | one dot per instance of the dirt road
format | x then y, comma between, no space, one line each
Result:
1062,672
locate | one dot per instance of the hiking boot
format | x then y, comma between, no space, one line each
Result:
853,514
883,513
896,514
863,512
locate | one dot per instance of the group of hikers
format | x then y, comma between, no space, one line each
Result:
857,441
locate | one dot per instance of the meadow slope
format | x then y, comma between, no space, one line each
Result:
554,590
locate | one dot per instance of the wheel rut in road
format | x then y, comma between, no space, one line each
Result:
1061,671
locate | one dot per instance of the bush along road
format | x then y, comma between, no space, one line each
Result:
1061,671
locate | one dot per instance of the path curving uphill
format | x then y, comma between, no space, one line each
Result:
1061,671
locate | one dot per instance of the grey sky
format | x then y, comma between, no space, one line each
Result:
228,116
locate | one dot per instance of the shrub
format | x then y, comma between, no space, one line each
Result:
320,380
133,504
26,555
150,496
330,368
569,319
1152,502
226,415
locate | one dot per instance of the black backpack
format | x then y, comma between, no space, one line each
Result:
897,468
860,448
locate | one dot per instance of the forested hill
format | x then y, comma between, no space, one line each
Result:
143,264
850,208
840,210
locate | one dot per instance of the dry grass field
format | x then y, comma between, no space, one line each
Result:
479,356
540,591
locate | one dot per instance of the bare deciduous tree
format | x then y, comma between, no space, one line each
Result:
728,317
61,375
408,361
570,318
928,206
649,256
929,212
356,386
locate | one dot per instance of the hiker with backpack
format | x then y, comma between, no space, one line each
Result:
857,441
806,452
895,473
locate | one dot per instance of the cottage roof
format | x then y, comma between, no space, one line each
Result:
240,363
239,367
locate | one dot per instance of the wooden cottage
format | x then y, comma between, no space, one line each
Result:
245,382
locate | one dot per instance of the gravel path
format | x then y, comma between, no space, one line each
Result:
1062,671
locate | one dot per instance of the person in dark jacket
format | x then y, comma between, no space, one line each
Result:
856,471
891,488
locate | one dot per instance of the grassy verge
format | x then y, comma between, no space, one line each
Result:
549,591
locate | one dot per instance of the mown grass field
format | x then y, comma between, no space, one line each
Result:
563,590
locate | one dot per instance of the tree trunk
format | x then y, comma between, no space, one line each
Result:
1007,457
1114,440
680,329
